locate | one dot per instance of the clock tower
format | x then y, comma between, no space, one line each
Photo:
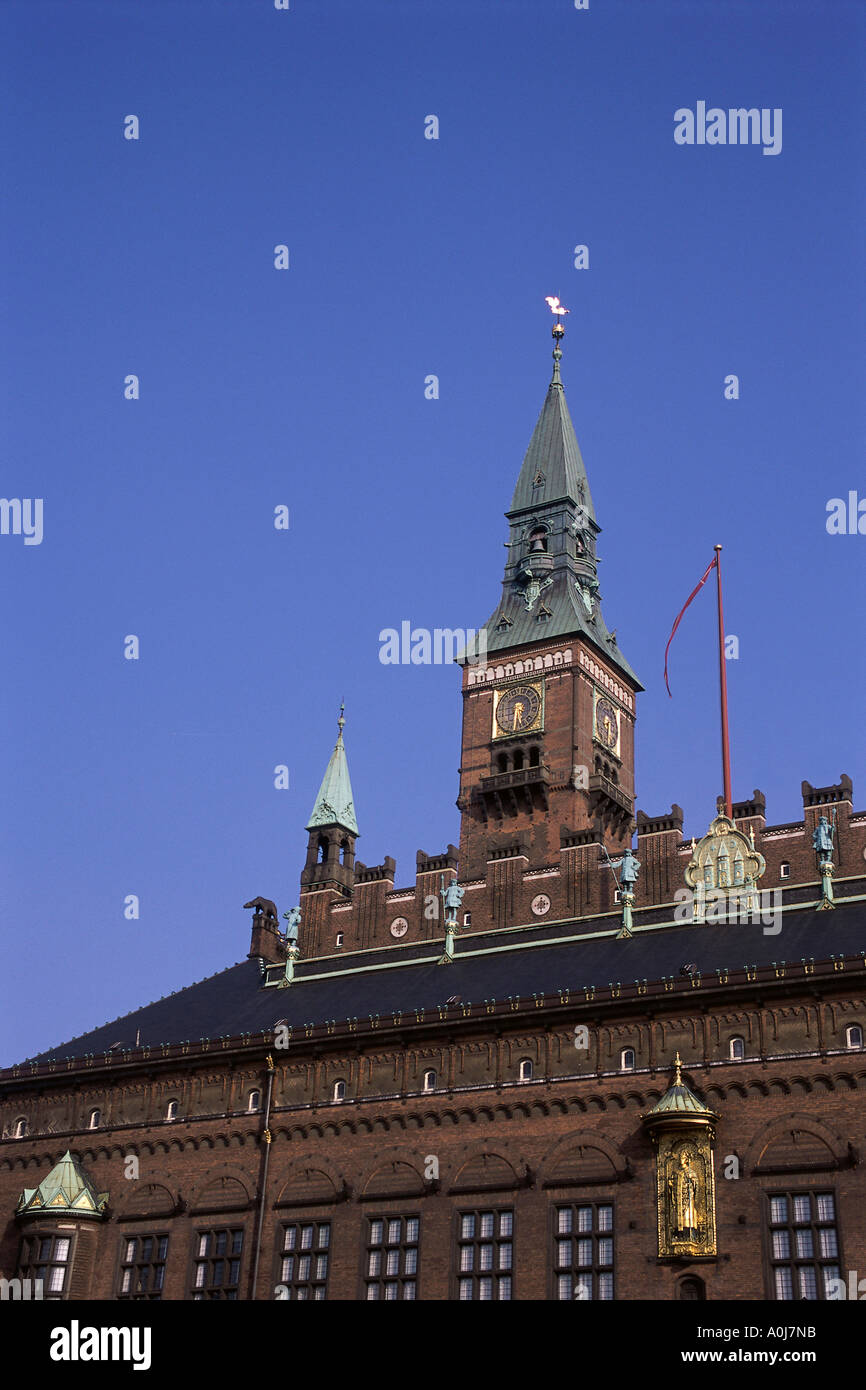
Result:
548,716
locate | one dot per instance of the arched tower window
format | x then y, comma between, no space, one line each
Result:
534,757
430,1080
736,1049
538,541
626,1059
20,1127
518,760
525,1070
254,1101
344,850
339,1092
324,846
171,1110
502,763
93,1119
854,1036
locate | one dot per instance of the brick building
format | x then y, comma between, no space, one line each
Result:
581,1092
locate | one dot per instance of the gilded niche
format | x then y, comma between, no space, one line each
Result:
686,1192
683,1131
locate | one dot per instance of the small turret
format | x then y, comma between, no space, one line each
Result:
332,826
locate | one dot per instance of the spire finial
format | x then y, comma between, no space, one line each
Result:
678,1077
558,331
341,721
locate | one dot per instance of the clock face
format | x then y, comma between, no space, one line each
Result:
606,724
540,905
518,709
399,926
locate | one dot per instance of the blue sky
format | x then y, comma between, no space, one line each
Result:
305,387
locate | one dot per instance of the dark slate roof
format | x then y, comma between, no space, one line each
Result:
234,1001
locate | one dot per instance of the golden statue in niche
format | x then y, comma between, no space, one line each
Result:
682,1194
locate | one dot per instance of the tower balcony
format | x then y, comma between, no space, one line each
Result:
610,802
506,794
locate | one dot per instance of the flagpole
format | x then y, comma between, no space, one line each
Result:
723,684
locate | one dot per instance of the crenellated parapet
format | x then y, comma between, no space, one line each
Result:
524,882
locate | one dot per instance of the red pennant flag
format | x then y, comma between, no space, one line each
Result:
710,566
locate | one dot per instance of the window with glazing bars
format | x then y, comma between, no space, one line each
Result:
46,1258
304,1260
803,1244
485,1254
142,1266
583,1250
391,1269
217,1268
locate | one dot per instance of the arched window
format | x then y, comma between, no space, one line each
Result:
171,1110
736,1049
626,1059
854,1036
344,850
525,1070
502,763
534,757
254,1101
517,760
430,1080
93,1119
339,1091
691,1288
538,541
20,1127
322,850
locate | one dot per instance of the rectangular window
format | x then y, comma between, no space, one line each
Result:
217,1264
803,1245
583,1251
46,1258
485,1253
142,1266
392,1258
303,1262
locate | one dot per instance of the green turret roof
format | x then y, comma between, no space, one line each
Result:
66,1191
678,1100
335,804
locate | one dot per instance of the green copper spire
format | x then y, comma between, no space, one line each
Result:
66,1191
553,468
551,587
334,804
